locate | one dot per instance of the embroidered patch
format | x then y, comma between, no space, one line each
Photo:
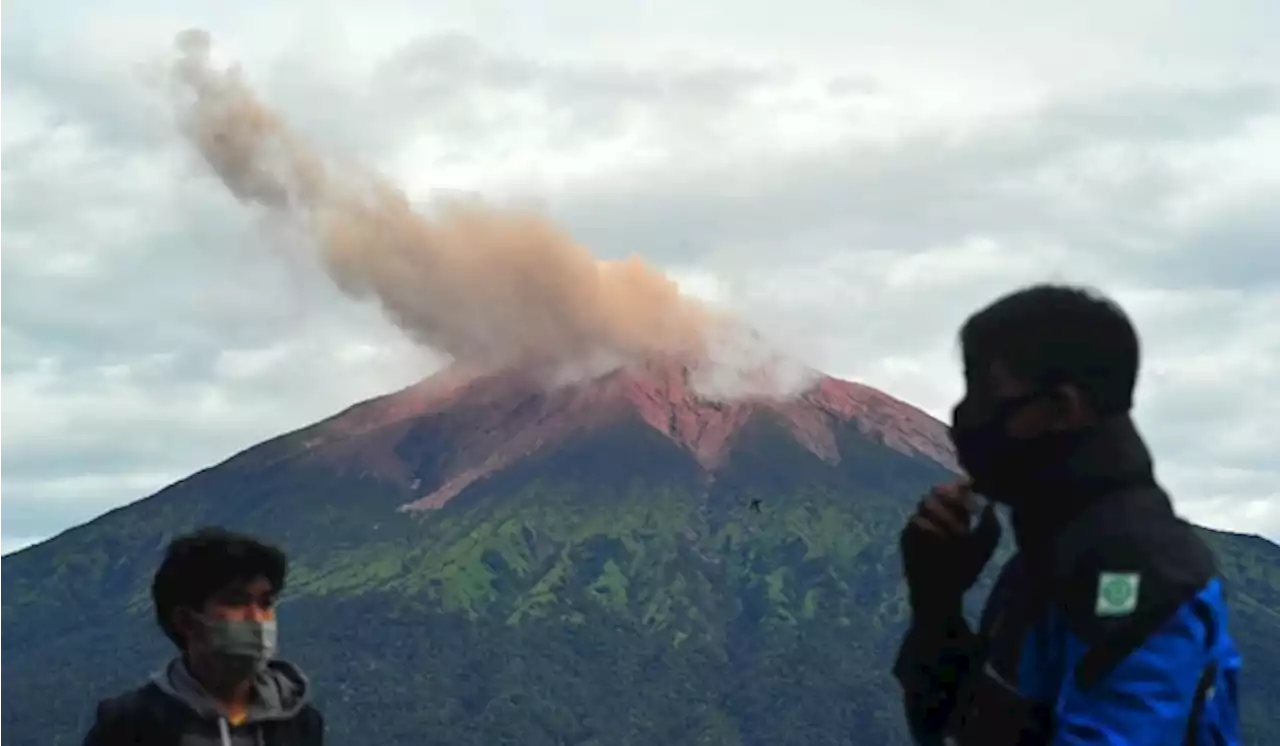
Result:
1117,593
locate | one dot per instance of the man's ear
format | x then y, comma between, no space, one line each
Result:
184,621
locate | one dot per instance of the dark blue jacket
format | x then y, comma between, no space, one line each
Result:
1109,626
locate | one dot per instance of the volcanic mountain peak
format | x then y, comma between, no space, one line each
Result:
492,420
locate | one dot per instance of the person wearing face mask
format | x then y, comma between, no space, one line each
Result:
1109,623
214,597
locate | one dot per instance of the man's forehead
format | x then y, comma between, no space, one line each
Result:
993,377
256,586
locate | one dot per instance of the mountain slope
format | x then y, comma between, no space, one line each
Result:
478,561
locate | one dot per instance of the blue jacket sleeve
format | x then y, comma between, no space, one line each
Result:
1144,696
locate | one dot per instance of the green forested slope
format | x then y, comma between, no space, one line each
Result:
605,594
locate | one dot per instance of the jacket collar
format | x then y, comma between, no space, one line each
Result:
1107,459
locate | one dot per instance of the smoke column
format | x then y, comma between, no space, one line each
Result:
488,287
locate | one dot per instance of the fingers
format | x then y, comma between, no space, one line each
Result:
949,508
952,520
929,527
945,512
957,493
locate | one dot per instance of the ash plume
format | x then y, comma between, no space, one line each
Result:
489,287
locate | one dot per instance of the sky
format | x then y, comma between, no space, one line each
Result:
852,178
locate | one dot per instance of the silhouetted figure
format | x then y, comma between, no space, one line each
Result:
214,597
1109,625
755,504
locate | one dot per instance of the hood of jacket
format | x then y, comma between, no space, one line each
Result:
281,690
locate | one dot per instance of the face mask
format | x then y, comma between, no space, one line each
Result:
248,640
1002,467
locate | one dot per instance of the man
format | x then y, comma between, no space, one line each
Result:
1108,626
214,596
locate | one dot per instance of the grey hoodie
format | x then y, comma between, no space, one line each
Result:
281,691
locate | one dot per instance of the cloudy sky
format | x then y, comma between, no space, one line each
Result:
852,177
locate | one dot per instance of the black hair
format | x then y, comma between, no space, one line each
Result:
1057,334
198,565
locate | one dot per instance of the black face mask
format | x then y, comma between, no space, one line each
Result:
1004,468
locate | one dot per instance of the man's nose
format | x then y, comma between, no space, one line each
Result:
261,613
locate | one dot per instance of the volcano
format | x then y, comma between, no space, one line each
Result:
483,559
465,428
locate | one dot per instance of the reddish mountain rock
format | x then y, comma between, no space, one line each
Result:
493,420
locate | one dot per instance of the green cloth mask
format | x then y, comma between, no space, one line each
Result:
244,638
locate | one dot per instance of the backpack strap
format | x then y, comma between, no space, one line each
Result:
141,717
1203,688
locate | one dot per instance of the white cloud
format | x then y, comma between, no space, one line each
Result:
853,179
